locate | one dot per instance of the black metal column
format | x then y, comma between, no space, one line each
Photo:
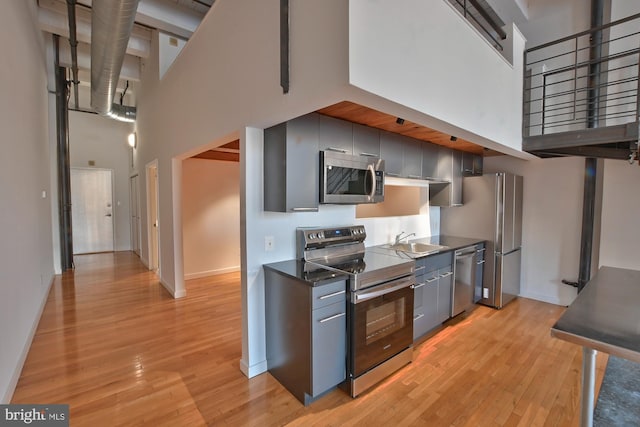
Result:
64,174
591,164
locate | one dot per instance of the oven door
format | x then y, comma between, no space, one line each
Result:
347,179
381,319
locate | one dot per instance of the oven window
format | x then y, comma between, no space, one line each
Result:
384,320
380,328
348,181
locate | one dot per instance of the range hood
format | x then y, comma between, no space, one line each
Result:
412,182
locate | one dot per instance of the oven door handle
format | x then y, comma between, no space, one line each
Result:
376,291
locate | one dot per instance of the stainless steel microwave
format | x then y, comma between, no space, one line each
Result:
347,179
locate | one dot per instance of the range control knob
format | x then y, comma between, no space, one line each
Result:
321,235
312,236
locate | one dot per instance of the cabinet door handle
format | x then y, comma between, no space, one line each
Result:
420,268
369,155
419,316
392,174
304,209
335,294
481,250
433,279
447,274
335,316
419,285
339,150
415,176
480,262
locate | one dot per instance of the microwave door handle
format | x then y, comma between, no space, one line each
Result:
373,180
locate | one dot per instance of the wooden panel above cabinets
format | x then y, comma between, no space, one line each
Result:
366,116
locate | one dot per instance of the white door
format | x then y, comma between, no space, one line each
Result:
135,214
92,210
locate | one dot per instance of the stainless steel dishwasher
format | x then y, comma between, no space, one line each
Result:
464,272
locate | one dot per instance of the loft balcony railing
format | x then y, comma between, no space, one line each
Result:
566,89
483,18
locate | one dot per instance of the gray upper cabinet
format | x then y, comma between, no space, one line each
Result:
450,169
335,135
471,164
412,154
430,161
291,166
366,141
391,149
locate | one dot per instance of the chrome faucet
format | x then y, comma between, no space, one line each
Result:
400,237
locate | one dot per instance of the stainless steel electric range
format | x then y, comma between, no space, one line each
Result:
380,314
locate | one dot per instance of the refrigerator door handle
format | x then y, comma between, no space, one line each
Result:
507,253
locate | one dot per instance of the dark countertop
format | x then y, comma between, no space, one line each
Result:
452,243
605,315
295,268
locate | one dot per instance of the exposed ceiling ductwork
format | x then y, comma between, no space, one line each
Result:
112,22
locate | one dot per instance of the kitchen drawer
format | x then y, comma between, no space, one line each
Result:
330,293
437,261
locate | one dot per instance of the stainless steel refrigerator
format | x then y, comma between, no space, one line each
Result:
492,211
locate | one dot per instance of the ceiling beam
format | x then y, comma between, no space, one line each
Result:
52,18
166,16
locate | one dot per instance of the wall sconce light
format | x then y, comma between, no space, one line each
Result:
132,139
453,138
400,121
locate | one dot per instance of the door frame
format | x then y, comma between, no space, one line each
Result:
134,204
152,189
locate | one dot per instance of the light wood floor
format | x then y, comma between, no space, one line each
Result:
120,351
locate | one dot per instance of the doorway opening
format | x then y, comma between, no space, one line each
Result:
134,202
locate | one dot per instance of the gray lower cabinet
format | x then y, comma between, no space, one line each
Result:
479,279
292,166
432,295
306,334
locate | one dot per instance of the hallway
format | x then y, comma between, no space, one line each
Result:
119,350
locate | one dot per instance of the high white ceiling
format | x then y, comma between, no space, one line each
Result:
178,18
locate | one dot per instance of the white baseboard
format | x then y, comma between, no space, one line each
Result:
252,371
13,382
208,273
172,291
144,261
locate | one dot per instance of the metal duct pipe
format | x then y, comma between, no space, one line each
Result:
73,43
111,25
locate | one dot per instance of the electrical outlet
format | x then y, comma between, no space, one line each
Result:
485,292
268,243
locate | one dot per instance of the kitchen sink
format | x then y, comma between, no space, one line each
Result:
416,248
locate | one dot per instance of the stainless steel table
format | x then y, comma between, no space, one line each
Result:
604,317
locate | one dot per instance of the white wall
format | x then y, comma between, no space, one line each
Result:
104,140
26,264
425,56
210,217
620,233
170,47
